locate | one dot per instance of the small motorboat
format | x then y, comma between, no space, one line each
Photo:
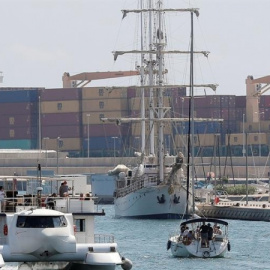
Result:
200,237
39,238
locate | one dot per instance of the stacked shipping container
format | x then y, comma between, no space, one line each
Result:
18,118
61,118
73,114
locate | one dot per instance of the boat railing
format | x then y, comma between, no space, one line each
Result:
138,184
255,204
62,204
104,238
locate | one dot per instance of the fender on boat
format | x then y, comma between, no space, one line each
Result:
229,246
169,244
126,264
2,263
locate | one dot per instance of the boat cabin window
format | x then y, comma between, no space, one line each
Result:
41,221
80,225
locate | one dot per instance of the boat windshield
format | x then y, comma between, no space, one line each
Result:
41,221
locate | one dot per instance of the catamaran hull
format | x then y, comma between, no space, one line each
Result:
148,203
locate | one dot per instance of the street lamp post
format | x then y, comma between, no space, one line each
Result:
114,138
88,138
57,155
244,150
260,143
45,142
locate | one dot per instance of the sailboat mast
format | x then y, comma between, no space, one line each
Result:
151,82
142,90
190,162
192,111
160,47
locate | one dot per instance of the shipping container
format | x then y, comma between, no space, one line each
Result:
18,133
60,94
181,102
136,129
95,117
265,126
252,139
64,144
199,139
102,93
59,119
132,92
111,130
230,126
239,114
18,144
23,120
62,131
199,127
227,101
67,106
266,102
95,105
267,114
207,101
98,143
136,103
240,101
18,108
19,95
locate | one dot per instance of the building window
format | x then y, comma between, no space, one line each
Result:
250,127
101,116
256,138
235,139
100,92
101,104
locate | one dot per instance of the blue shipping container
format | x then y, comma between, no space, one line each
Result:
16,96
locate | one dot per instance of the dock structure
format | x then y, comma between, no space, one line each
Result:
255,211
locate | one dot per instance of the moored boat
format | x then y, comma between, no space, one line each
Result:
156,187
36,237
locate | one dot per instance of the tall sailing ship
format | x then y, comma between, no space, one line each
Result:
157,186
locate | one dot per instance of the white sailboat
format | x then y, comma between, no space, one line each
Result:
156,187
198,237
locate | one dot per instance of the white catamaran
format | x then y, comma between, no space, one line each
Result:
156,187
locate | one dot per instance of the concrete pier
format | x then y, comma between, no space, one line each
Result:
256,211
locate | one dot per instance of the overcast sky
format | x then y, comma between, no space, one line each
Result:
42,39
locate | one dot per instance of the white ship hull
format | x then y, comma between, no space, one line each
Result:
144,203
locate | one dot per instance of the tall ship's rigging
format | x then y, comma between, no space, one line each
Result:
156,187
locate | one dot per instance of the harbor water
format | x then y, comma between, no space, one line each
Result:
144,242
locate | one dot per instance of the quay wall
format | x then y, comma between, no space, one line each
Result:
23,163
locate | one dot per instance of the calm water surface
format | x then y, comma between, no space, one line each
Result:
144,243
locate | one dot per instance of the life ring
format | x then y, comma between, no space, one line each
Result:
170,190
206,254
5,229
186,241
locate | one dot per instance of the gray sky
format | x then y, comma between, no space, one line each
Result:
42,39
